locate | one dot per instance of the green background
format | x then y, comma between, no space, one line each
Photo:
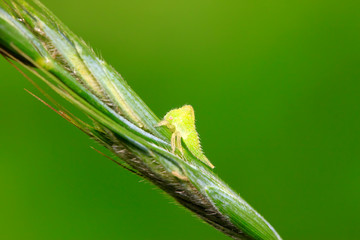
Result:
275,86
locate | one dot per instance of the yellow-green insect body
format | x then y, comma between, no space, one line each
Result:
181,122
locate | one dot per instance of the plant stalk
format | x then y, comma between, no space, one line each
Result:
36,39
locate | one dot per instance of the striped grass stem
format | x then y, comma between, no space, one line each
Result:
32,37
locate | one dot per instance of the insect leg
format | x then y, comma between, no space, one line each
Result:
178,142
173,142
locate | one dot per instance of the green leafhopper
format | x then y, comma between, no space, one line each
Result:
181,122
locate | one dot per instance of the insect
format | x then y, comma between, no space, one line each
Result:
181,122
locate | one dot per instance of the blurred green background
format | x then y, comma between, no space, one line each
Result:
275,86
